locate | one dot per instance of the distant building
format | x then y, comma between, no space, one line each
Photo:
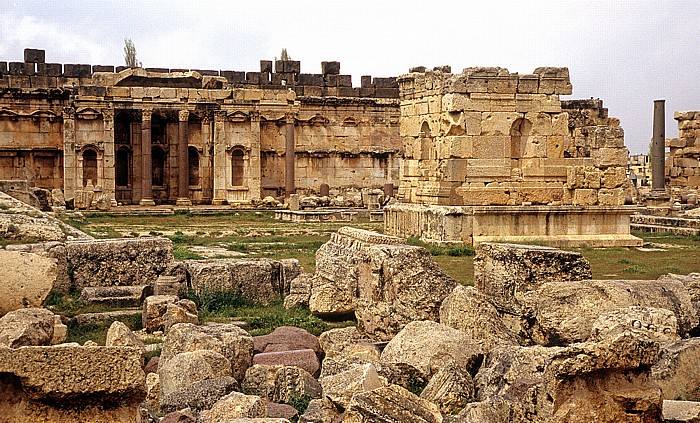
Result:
639,170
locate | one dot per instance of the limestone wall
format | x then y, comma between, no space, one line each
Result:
490,137
682,168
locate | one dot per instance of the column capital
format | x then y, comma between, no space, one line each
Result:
146,114
183,115
254,116
107,114
68,113
290,117
219,115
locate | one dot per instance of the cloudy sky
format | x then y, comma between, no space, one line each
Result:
627,53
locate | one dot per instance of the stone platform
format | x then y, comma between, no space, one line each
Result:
329,215
560,226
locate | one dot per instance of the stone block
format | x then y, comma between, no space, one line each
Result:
286,338
49,69
677,372
365,81
71,70
340,388
26,327
27,279
681,411
252,78
311,79
528,84
101,68
207,72
198,396
32,55
389,82
21,68
182,311
187,368
330,68
265,66
126,296
585,197
393,403
344,81
234,77
451,388
304,359
287,66
235,406
154,308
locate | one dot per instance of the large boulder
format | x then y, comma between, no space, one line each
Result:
286,338
187,368
559,313
71,383
429,346
234,406
678,370
391,404
503,272
27,327
198,396
260,280
386,283
305,359
341,387
340,341
154,308
119,335
469,311
299,291
228,340
27,279
280,384
451,388
117,262
182,311
320,411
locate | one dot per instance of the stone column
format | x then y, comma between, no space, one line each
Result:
289,157
69,159
658,149
183,168
255,180
146,166
207,160
220,161
109,183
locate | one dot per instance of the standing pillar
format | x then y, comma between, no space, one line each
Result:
183,168
658,149
220,158
289,157
146,166
109,184
255,180
69,162
207,160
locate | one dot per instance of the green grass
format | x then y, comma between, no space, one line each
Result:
97,332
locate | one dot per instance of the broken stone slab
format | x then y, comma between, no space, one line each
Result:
118,262
105,317
182,311
198,396
502,272
658,323
320,411
258,280
429,346
181,416
469,311
559,313
402,374
168,285
286,338
391,404
228,340
54,250
677,372
280,411
71,383
260,380
119,335
681,411
691,282
187,368
341,341
154,309
116,296
495,410
305,359
451,389
60,331
27,327
234,406
292,383
340,387
27,279
299,291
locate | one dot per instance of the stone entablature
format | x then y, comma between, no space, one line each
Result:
179,136
682,168
490,137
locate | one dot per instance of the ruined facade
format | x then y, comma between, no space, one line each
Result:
488,138
682,168
195,136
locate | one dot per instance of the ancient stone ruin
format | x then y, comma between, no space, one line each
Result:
493,155
682,168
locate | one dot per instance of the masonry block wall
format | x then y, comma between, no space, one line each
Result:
682,168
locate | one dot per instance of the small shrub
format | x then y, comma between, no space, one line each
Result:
300,402
237,247
182,253
179,238
634,269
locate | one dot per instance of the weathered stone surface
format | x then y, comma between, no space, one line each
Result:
105,317
153,390
495,410
429,346
116,262
260,280
451,389
27,279
152,365
691,283
188,368
154,308
170,285
402,374
299,291
60,331
119,335
341,341
286,338
260,380
227,339
503,272
658,323
305,359
356,268
563,312
234,406
280,411
678,371
469,311
179,417
320,411
182,311
20,221
71,383
391,404
681,411
198,396
115,296
26,327
340,387
292,383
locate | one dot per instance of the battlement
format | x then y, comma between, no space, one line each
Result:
35,73
421,82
